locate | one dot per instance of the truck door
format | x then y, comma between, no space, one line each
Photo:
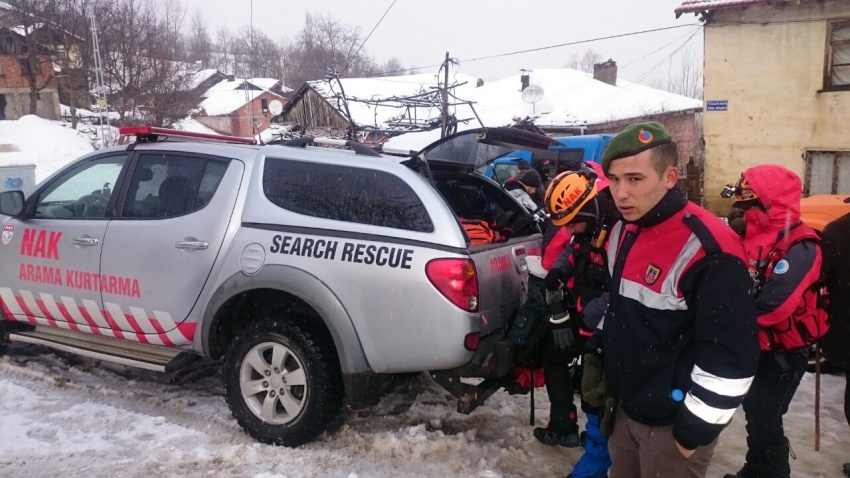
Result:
51,255
159,252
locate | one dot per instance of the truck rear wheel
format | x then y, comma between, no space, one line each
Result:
282,385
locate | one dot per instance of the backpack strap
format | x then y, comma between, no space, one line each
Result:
709,243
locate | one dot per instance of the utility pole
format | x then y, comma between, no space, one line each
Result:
100,87
444,97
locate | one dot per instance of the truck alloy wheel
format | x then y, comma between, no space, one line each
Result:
281,384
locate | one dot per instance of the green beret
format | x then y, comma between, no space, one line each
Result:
635,138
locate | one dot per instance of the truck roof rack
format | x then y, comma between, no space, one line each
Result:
304,141
153,134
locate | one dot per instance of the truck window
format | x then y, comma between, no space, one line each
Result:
344,193
81,192
169,185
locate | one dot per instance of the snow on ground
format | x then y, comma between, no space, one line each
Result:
61,415
33,140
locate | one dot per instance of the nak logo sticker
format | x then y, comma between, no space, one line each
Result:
652,273
8,232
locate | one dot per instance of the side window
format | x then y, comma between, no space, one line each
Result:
169,185
82,192
838,57
343,193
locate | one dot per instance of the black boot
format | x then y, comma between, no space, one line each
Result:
753,460
552,437
775,460
748,471
846,469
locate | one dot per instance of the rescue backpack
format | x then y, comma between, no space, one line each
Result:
810,321
478,231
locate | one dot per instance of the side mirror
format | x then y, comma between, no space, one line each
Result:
11,203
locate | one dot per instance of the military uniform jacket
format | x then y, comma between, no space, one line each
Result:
680,337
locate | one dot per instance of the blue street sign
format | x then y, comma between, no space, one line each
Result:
717,105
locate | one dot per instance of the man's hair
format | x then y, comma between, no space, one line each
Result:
664,156
523,165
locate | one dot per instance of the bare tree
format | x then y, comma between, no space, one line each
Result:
71,52
584,61
688,80
34,60
223,57
200,45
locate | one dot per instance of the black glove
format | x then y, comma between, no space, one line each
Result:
559,320
554,279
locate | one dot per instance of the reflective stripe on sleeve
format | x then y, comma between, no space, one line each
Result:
650,298
715,416
728,387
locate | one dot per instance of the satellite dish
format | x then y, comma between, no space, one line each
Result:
532,94
275,107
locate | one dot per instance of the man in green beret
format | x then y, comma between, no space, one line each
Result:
678,343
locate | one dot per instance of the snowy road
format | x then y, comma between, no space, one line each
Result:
63,416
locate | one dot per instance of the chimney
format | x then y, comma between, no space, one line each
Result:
524,80
606,72
479,83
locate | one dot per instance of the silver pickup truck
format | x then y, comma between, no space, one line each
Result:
313,273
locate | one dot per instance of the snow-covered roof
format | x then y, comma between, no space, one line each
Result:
201,76
571,99
574,98
689,6
23,30
362,93
240,83
224,102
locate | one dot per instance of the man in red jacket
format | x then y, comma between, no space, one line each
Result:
784,259
679,341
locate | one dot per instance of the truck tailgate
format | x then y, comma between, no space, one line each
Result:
502,278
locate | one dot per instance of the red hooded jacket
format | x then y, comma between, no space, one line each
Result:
783,254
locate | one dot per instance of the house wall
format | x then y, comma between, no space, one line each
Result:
684,127
240,122
16,90
768,61
312,111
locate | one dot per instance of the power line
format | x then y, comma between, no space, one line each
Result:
577,42
348,62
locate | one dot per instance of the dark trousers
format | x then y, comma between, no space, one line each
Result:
775,383
557,366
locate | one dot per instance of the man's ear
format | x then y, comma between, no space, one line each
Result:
671,177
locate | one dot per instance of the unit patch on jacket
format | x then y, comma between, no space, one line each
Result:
781,267
652,273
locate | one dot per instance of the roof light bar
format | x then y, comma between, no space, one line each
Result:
175,134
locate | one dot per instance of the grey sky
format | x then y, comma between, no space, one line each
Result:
419,32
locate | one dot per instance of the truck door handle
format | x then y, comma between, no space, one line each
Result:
85,241
192,245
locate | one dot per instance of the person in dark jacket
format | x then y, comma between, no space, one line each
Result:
679,340
582,268
784,260
835,274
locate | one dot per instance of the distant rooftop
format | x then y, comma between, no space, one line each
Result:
693,6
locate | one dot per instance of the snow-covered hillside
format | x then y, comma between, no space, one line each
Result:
61,415
47,144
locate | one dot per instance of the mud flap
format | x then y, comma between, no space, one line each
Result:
469,397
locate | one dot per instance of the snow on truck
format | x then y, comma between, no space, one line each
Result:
313,274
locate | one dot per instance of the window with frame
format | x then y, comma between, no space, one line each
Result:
827,172
168,185
344,193
83,192
838,57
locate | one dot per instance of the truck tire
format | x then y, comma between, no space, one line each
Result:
282,384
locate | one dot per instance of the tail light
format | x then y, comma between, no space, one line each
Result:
457,280
470,342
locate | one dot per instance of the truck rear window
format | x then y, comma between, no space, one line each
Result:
344,193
